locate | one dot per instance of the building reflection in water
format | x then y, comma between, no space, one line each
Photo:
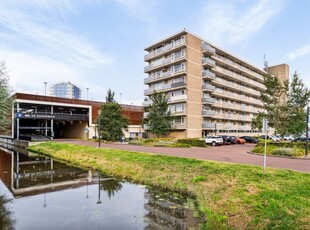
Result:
26,174
168,210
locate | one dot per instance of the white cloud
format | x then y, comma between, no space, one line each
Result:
233,21
29,72
141,9
54,38
300,52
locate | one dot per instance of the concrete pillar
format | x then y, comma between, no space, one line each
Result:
52,122
17,122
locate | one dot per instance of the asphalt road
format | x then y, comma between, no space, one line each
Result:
227,153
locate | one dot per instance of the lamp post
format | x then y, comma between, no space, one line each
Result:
87,89
99,113
307,132
45,88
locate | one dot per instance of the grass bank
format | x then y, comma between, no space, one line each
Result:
232,196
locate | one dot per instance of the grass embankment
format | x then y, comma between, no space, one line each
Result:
231,196
169,142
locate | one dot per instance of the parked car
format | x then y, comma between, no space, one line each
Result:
228,140
299,139
214,140
288,138
238,140
263,137
249,139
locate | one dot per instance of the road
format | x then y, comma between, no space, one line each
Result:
228,153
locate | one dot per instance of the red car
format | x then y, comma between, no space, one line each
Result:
240,140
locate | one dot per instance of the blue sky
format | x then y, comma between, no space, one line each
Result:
98,44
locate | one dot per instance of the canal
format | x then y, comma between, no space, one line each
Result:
38,192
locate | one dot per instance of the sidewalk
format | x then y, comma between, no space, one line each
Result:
227,153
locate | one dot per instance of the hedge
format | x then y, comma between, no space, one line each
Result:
300,145
192,142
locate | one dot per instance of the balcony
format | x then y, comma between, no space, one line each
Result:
206,125
177,98
145,114
239,67
239,77
178,84
158,51
179,126
162,50
178,113
157,77
207,113
147,103
208,100
206,48
207,62
165,87
208,87
158,63
208,74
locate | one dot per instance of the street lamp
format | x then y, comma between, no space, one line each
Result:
87,93
45,88
307,131
99,113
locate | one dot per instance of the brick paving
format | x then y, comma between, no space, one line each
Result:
226,153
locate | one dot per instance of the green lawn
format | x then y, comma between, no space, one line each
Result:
232,196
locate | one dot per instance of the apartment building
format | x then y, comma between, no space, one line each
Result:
210,90
65,90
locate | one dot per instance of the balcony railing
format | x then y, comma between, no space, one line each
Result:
179,126
208,48
208,99
206,125
158,51
208,87
158,76
239,67
208,73
147,103
208,113
208,61
165,87
178,84
177,98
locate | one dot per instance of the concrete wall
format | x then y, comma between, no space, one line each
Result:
74,130
194,84
280,71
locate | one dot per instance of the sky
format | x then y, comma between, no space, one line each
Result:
99,44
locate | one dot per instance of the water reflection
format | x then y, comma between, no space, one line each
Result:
64,197
111,186
6,219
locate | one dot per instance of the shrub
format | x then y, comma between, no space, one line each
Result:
300,145
193,142
283,152
181,145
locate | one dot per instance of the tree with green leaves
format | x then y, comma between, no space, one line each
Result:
297,101
159,117
284,105
5,101
112,120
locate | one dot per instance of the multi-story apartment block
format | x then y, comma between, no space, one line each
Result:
65,90
210,91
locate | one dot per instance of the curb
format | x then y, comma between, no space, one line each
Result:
286,157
